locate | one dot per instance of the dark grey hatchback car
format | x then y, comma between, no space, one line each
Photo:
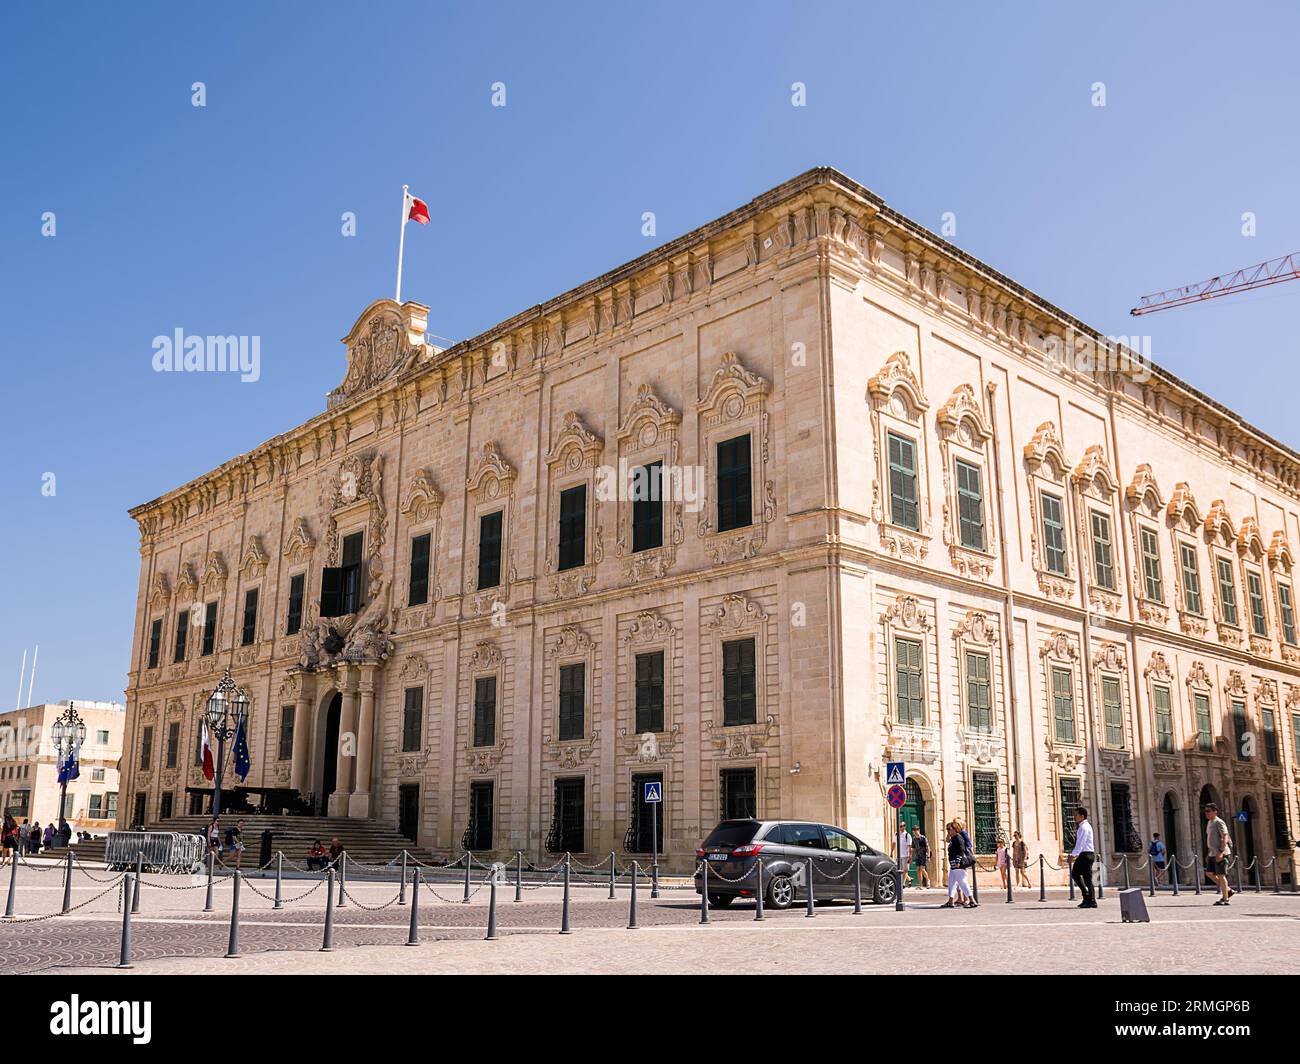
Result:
785,847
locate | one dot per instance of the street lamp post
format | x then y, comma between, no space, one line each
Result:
68,732
227,707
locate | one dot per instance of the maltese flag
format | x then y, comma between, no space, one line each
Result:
417,210
206,747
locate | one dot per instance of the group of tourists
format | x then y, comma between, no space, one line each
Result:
31,838
914,848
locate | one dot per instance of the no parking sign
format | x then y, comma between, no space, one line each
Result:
897,796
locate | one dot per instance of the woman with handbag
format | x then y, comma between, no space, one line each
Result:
960,858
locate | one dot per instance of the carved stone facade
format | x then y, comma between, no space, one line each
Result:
940,514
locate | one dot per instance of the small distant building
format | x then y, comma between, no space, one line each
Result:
29,771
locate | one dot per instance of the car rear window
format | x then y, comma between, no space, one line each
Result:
732,833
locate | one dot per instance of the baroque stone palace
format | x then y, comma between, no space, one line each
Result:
904,510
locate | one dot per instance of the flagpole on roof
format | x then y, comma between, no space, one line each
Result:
401,241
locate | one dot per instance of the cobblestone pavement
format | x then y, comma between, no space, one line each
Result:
1257,934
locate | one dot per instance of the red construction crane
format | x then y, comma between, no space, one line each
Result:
1287,268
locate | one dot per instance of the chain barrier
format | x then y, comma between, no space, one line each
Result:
450,901
371,908
58,865
287,901
50,916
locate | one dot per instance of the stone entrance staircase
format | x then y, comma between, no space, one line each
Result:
366,841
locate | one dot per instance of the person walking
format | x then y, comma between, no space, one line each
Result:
235,842
1218,852
1158,856
213,835
921,855
960,858
8,840
1003,860
1082,857
1020,860
34,838
48,836
903,850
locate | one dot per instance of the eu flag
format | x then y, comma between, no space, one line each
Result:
242,762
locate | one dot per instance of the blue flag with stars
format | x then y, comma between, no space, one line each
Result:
242,762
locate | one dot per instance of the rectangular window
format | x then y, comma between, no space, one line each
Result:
96,775
567,834
165,809
909,689
1268,724
1227,590
1070,791
485,711
1154,584
146,748
110,801
903,509
573,527
209,629
101,736
1103,564
249,635
1164,719
984,803
1125,834
350,590
1240,729
1063,704
412,719
1281,825
1287,611
417,591
573,682
648,507
1191,578
1112,711
1295,735
1204,737
182,635
1053,533
1255,590
979,692
480,814
489,550
155,642
650,692
647,817
739,793
173,744
297,588
286,733
96,807
739,683
970,505
735,499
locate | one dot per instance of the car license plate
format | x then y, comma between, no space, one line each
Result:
719,857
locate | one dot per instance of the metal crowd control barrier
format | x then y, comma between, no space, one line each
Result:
156,851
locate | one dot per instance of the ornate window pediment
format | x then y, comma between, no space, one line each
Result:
1279,553
423,500
573,459
1218,527
159,592
1182,512
300,543
354,492
187,585
1250,545
214,573
1145,505
1048,474
648,632
896,376
491,487
253,563
1096,486
422,508
897,405
964,435
650,433
493,476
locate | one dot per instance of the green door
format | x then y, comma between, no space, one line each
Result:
912,814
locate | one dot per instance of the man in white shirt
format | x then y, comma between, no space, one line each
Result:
904,850
1081,858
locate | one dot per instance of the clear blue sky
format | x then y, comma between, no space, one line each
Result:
226,219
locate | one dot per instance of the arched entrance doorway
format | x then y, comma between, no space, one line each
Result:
1170,819
327,747
913,815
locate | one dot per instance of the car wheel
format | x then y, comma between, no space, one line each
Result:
780,892
721,901
884,894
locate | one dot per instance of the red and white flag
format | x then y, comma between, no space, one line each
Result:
208,772
418,210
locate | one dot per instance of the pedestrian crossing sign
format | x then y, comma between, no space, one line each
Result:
894,773
654,792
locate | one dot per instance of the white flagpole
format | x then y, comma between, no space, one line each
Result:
401,241
22,675
31,680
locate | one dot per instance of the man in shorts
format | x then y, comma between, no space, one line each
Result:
1218,850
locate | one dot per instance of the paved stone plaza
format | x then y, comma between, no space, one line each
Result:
1187,934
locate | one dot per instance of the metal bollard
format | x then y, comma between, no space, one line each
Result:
975,882
413,935
564,910
1173,873
654,878
758,897
232,949
1127,882
469,861
1010,875
327,943
1042,878
857,886
519,875
279,880
13,886
631,912
1197,871
492,908
613,870
67,886
401,883
704,892
343,878
1151,878
139,875
1069,870
124,958
207,905
1258,876
1100,869
1277,878
1236,864
808,874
